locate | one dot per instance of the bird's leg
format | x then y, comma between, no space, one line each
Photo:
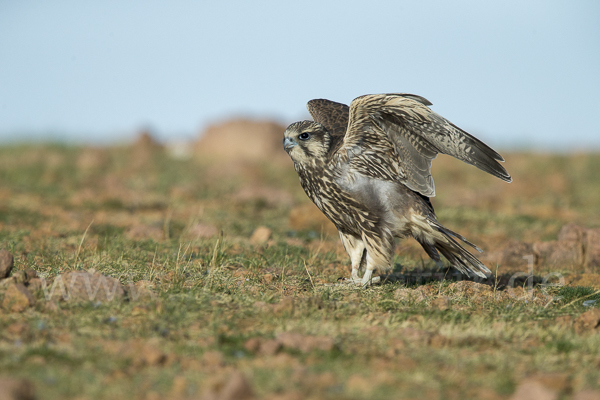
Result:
356,250
368,278
357,259
379,252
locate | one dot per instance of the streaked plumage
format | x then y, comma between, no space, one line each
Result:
368,169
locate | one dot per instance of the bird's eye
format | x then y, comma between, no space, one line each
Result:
303,136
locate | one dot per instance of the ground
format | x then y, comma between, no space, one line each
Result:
225,296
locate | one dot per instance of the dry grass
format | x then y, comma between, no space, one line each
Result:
223,303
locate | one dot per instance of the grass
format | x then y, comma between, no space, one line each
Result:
214,294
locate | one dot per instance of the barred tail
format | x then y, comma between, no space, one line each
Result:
444,241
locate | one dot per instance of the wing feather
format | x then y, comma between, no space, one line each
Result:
332,115
412,135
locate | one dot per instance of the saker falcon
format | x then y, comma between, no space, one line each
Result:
367,167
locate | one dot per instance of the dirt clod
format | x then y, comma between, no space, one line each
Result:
261,235
80,286
6,263
16,389
589,321
17,298
532,389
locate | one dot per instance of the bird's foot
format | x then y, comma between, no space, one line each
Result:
359,282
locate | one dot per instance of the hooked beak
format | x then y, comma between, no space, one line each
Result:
288,143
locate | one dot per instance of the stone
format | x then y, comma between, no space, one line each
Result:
81,286
270,347
17,298
511,255
34,285
588,394
592,251
261,235
531,389
237,387
571,233
30,274
6,263
228,142
558,254
16,389
589,321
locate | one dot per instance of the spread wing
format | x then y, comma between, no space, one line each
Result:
398,135
332,115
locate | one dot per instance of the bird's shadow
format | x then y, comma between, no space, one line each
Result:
424,276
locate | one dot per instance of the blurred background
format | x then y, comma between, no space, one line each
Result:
521,75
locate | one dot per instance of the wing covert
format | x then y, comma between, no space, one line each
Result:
411,135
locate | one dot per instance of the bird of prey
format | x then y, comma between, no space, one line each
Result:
367,167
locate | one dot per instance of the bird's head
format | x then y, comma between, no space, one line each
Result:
306,140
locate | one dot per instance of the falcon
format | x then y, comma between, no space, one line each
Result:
367,167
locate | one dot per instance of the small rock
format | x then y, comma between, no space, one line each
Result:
531,389
558,253
4,283
16,389
270,347
236,388
592,251
588,321
553,380
587,395
86,286
268,278
20,277
17,298
34,285
31,274
252,344
261,235
6,263
571,232
510,254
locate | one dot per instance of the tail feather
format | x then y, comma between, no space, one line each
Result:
445,243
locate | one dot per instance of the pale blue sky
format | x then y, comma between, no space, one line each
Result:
511,72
